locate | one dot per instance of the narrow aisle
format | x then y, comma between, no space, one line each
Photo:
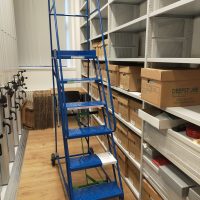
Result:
39,180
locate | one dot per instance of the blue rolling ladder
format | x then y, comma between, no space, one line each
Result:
110,187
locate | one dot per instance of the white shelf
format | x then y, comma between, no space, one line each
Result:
175,60
135,25
98,36
127,1
190,114
181,8
127,59
136,95
128,124
186,9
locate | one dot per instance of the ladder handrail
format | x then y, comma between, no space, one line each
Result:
106,63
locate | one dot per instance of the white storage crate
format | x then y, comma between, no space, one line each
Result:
141,46
124,45
171,37
177,148
124,52
124,39
162,3
127,13
143,8
95,27
167,191
195,53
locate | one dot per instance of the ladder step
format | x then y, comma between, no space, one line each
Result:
84,105
92,161
88,131
81,80
76,54
98,192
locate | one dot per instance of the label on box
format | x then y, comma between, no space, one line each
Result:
132,155
133,122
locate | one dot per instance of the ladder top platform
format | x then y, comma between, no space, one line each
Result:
90,54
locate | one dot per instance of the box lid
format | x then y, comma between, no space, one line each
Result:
176,180
194,193
113,67
129,69
123,100
170,75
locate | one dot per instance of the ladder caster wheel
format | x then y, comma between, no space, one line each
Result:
53,160
91,150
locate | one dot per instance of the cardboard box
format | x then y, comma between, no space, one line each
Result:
148,192
134,145
95,46
181,87
95,91
134,109
101,50
122,159
84,67
122,135
124,108
130,78
103,71
133,174
114,74
115,101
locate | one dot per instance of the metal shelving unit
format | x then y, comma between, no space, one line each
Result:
145,25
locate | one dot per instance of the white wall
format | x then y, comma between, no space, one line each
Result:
8,43
34,44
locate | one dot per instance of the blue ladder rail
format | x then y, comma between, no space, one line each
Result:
110,187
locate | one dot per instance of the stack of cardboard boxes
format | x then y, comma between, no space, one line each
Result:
98,46
128,110
128,169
